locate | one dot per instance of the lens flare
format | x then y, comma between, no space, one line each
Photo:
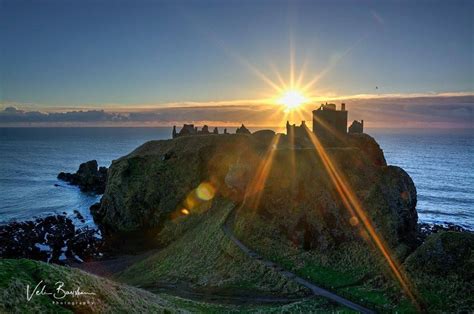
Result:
205,191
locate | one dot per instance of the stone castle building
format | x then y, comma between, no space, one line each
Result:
357,127
297,131
328,122
190,129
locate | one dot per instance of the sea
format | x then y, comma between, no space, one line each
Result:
440,163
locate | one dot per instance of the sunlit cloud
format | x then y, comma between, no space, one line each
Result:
388,111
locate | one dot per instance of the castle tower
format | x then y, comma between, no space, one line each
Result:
174,131
328,122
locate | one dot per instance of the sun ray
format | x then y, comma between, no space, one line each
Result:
332,63
300,78
254,189
292,63
278,75
352,203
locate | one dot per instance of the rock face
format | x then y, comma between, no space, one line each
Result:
147,186
301,200
296,194
445,253
89,177
368,145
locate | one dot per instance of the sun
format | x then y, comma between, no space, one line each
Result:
292,99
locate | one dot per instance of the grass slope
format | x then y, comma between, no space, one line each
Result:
357,272
111,297
348,271
205,260
204,257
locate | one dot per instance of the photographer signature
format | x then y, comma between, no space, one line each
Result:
58,292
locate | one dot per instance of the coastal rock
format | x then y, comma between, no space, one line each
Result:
302,201
52,239
426,229
89,177
146,187
295,193
368,145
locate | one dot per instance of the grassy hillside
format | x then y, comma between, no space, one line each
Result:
204,257
357,271
111,297
203,261
349,270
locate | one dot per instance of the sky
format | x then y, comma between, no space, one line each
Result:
162,62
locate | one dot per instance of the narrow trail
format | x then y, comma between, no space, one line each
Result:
226,227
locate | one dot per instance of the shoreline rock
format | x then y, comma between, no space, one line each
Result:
52,239
89,177
424,230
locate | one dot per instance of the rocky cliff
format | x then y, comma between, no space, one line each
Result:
162,179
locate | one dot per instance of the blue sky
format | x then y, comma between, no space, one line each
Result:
111,54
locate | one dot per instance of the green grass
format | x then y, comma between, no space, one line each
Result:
111,297
347,271
306,305
204,257
355,272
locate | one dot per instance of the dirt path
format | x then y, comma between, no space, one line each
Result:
226,227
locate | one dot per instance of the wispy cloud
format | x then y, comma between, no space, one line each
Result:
446,110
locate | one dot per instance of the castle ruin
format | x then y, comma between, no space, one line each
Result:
357,127
190,129
328,122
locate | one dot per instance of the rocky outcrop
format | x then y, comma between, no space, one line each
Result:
146,187
426,229
295,194
301,200
445,253
89,177
368,145
52,239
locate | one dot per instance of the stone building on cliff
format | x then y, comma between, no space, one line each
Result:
190,129
357,127
297,131
328,122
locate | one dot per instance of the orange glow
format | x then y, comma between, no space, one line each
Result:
184,211
354,221
205,191
257,184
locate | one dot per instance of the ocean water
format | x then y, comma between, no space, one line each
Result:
440,163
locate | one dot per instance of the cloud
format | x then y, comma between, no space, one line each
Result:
390,111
